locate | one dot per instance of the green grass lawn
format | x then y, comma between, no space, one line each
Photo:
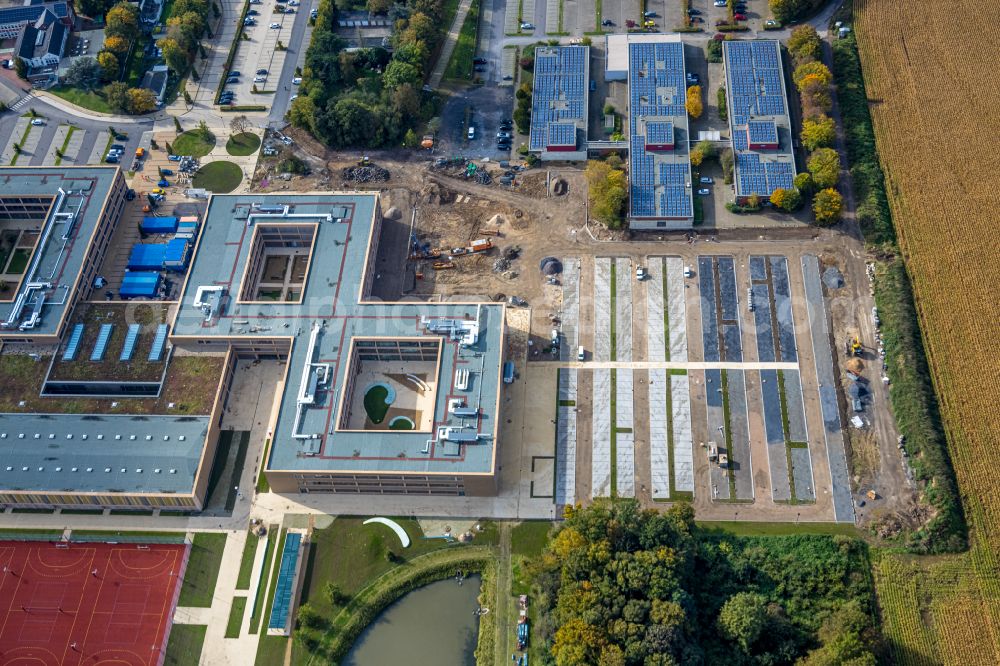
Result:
202,570
87,99
217,177
184,646
262,581
740,528
460,65
529,538
375,403
196,143
246,562
236,617
243,144
351,555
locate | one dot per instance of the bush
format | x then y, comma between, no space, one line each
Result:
714,50
824,165
827,206
720,97
804,45
693,102
726,162
608,192
818,132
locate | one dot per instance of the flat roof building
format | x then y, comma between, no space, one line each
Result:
122,409
559,102
758,118
659,141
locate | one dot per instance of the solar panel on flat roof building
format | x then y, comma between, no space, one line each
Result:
74,343
130,339
103,337
159,342
558,102
660,181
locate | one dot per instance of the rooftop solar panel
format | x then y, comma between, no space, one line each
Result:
559,95
74,343
762,131
159,342
103,337
130,339
659,181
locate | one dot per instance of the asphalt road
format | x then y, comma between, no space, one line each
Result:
298,42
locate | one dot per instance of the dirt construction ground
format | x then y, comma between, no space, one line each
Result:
529,221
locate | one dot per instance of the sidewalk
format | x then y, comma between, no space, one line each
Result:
449,45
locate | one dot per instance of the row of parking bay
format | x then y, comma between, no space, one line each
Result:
670,442
39,144
784,415
565,492
725,389
613,435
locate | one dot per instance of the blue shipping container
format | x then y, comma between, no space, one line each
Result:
140,284
159,225
146,257
175,258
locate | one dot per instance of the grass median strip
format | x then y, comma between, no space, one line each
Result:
236,613
202,570
65,143
460,65
265,573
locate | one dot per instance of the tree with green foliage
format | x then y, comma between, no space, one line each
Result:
827,206
93,8
804,45
84,73
116,95
608,191
174,55
818,132
824,165
720,100
122,20
788,11
743,618
21,68
309,617
803,182
399,73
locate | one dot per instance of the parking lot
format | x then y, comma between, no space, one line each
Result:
77,146
260,52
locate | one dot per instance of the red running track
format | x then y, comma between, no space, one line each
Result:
87,603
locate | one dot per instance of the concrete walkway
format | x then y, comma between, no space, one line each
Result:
449,44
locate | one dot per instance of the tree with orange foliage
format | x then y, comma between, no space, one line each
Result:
693,102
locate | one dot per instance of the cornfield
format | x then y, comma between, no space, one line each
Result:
935,106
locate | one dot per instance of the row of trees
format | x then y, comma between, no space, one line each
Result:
187,24
813,80
787,11
368,97
619,586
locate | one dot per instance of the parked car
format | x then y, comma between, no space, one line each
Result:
506,123
471,134
649,14
259,79
694,12
275,26
261,72
163,183
296,80
705,180
704,191
527,26
293,98
503,135
253,12
479,61
118,147
771,23
249,21
37,121
607,23
157,190
289,10
740,17
166,172
293,3
720,3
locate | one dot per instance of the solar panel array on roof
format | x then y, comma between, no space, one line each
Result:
286,575
103,337
762,131
762,178
659,183
562,134
156,353
754,73
130,339
660,133
757,108
30,13
559,94
74,343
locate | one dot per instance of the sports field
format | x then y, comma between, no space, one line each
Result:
87,603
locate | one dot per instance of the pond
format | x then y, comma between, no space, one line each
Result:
433,624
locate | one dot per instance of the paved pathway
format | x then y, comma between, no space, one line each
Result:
503,624
449,44
680,365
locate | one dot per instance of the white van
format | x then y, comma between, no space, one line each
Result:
581,355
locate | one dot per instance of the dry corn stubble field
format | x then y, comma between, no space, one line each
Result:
935,106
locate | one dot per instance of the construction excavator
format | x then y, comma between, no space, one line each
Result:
854,347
